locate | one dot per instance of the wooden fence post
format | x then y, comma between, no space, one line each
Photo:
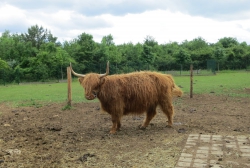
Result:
191,81
69,85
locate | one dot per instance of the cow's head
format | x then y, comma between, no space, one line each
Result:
91,82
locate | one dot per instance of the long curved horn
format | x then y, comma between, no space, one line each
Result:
76,74
107,71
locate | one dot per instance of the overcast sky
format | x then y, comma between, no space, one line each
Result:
131,20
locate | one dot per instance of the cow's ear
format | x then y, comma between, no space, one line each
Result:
80,80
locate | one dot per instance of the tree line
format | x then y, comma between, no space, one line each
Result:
38,56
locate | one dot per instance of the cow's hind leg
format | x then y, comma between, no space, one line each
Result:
151,112
168,109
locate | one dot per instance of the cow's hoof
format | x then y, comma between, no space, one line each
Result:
112,132
169,126
142,127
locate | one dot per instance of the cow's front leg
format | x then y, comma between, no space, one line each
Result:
113,129
116,124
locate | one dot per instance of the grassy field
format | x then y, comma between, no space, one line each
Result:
232,84
35,94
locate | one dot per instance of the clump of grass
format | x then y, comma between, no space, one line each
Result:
67,107
31,102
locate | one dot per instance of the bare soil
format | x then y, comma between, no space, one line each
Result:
48,136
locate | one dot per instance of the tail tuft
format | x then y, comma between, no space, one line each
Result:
177,92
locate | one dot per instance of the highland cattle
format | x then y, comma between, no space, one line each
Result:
132,93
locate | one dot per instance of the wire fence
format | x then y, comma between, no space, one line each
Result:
196,72
115,68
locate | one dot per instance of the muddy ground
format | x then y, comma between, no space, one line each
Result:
48,136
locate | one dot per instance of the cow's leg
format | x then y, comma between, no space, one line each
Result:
168,109
150,115
116,124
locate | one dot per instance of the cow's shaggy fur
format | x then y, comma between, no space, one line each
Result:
132,93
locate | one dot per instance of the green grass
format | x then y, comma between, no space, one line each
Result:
187,73
232,84
37,94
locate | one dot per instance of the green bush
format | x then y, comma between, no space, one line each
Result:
248,68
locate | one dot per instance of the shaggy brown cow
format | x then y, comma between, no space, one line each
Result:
135,93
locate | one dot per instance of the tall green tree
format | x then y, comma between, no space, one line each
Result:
150,41
83,51
38,36
147,55
182,57
199,51
149,51
219,54
3,64
111,52
3,67
63,58
131,57
7,46
165,57
86,49
239,51
228,42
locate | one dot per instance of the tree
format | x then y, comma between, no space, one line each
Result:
228,42
108,40
169,50
85,51
131,56
150,41
3,64
82,50
36,55
147,55
63,58
110,52
149,50
239,51
38,36
246,60
195,44
182,57
165,59
219,54
199,51
6,46
230,59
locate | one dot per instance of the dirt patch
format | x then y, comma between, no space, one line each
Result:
50,137
247,90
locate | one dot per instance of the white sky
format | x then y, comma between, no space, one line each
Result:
131,20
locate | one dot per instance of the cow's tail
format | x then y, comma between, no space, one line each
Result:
177,92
